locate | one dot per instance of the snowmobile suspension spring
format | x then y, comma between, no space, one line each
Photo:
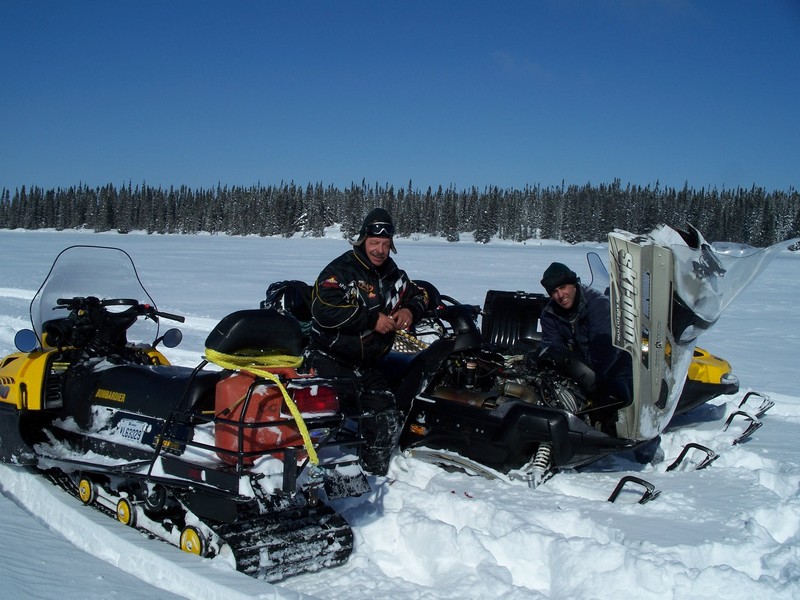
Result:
541,461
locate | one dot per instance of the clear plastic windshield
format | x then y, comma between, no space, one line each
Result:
708,277
675,288
103,272
600,277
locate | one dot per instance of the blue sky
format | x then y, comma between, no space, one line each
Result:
436,92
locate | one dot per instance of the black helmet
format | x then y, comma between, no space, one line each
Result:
378,223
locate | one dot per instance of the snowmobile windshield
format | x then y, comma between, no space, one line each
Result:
601,280
668,288
103,272
708,277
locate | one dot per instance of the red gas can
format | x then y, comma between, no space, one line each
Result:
264,406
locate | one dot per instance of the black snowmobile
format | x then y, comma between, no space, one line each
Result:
482,402
239,459
475,400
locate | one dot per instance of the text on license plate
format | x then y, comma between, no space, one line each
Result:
132,430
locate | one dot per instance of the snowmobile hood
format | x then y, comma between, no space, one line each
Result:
667,288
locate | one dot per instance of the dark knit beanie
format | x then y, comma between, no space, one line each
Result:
377,223
556,275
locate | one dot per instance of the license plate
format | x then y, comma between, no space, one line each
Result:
132,430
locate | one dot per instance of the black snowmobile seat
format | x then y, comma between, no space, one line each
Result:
511,319
262,331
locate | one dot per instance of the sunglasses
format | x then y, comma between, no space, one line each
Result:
380,229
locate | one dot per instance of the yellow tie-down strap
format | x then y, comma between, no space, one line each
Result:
259,367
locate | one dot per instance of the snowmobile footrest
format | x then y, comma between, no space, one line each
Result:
450,460
650,492
711,456
343,481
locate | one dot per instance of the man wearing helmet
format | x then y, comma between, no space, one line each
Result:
359,302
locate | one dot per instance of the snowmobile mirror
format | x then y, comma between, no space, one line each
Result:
171,338
26,340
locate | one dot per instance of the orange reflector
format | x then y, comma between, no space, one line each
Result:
418,429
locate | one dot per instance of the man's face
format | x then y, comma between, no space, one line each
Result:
377,249
564,295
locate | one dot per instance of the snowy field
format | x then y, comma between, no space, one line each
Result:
730,531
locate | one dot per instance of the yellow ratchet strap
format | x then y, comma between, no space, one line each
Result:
259,367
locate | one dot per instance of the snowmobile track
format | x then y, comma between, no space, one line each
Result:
271,546
275,546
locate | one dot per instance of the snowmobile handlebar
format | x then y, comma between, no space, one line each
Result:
170,316
91,324
462,317
90,303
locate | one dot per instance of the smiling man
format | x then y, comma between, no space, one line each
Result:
576,324
577,318
359,302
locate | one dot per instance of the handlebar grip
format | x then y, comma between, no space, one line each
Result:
170,316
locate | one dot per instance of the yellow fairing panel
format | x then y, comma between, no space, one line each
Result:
21,379
707,368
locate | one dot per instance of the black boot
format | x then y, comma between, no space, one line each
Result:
381,434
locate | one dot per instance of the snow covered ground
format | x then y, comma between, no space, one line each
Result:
732,530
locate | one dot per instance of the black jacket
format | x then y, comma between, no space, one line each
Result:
347,297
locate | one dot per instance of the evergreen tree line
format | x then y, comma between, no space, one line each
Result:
568,213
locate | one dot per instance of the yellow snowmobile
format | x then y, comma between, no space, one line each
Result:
245,456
